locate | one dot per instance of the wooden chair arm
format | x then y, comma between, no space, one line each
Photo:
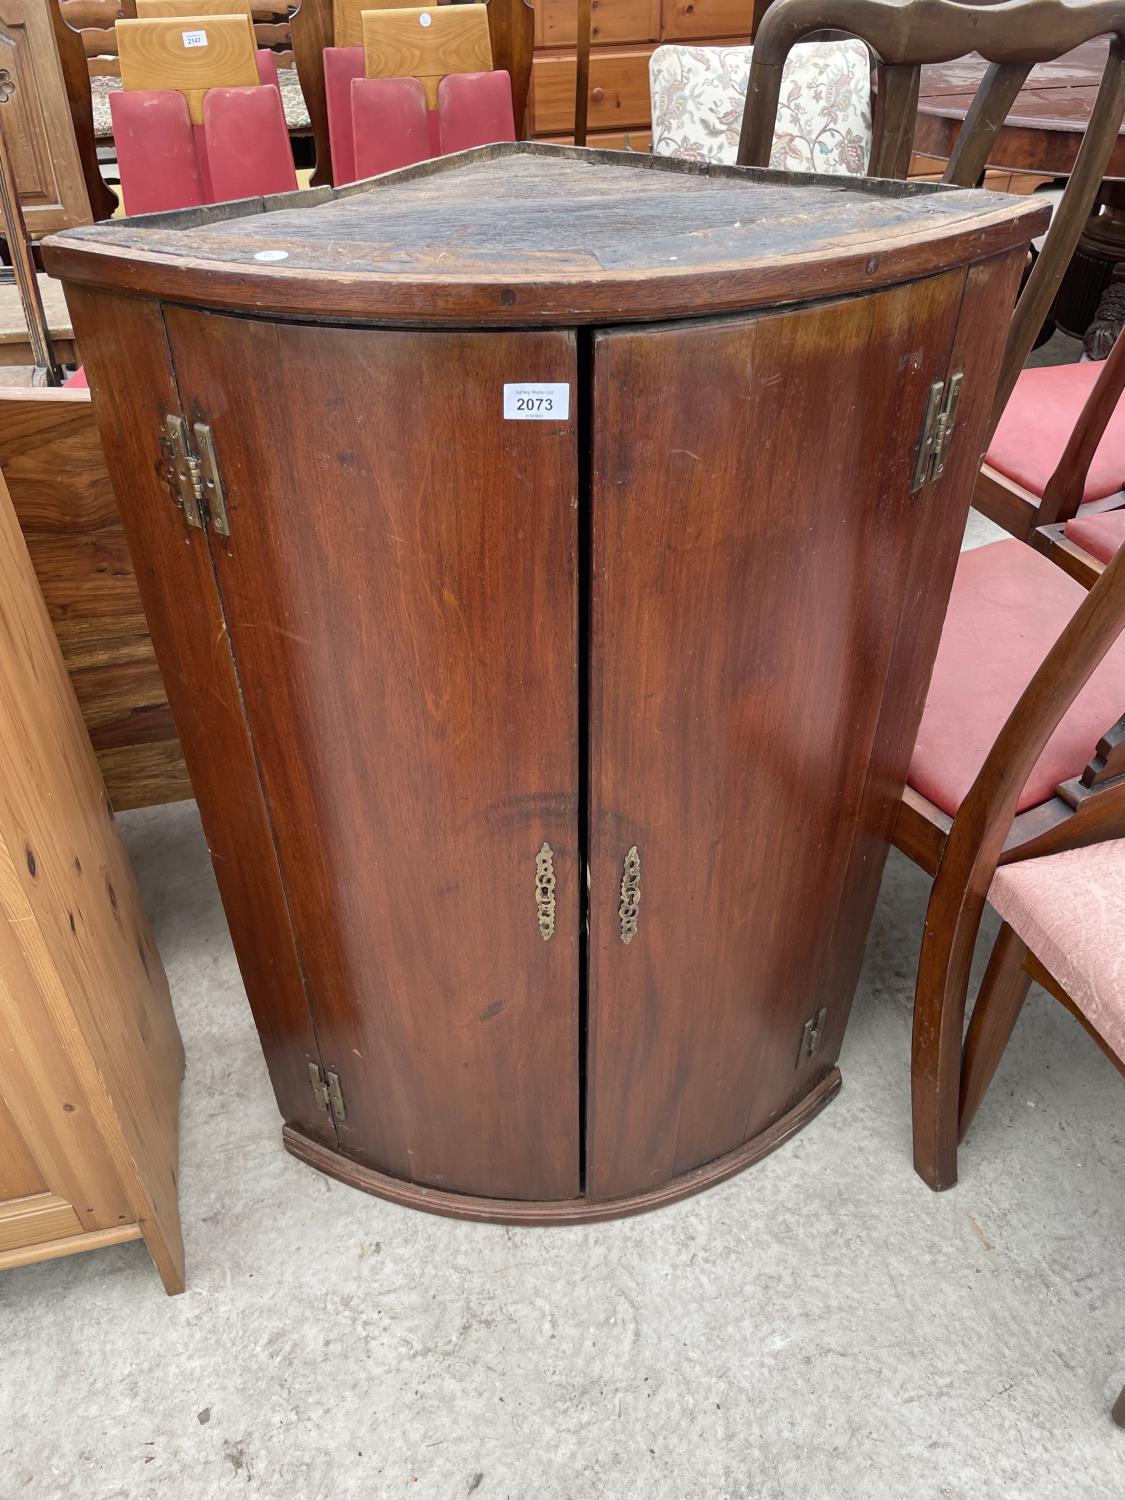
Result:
1063,494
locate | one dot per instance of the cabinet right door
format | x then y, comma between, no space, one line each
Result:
752,533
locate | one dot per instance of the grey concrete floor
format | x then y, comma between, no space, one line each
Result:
822,1326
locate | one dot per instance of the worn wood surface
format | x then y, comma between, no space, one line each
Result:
523,233
90,1057
155,55
411,691
51,457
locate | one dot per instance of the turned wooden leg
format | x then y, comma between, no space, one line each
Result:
1119,1409
999,1003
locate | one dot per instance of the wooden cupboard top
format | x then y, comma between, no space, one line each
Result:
527,233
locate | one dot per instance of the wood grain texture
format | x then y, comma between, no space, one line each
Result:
492,1210
38,125
412,695
741,794
90,1057
521,233
154,55
134,389
1042,130
29,1221
51,457
427,43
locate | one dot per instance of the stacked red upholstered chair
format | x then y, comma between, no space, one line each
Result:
421,84
200,119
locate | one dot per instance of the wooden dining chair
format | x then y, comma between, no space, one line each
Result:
1035,411
1001,817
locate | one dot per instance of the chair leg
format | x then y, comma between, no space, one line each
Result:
939,1018
999,1003
1119,1409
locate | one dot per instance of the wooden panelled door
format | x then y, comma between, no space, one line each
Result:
735,753
400,591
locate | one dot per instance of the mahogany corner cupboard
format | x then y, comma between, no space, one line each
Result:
546,553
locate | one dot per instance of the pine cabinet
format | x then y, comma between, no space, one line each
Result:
90,1056
546,554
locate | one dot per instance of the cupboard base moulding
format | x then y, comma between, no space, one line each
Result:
571,1211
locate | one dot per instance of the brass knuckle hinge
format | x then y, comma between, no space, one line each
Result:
812,1034
193,477
329,1094
937,428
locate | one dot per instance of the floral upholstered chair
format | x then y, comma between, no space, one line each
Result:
823,119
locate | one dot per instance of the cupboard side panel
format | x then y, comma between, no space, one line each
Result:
130,373
400,585
941,509
752,522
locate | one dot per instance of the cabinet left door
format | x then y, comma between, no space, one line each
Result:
399,592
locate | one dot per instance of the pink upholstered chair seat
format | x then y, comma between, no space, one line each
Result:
1009,605
1036,426
1069,909
1100,535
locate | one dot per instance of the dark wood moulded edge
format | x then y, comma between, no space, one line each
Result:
573,1211
104,257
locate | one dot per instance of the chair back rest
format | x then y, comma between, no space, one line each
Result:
426,43
347,19
155,10
1012,36
175,54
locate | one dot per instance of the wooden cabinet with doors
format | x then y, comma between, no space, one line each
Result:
623,36
547,692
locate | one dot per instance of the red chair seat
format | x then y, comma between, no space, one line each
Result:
1036,426
1100,535
1008,606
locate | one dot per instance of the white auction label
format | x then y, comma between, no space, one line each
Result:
537,403
194,38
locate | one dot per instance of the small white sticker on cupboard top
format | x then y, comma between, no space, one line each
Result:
537,403
194,38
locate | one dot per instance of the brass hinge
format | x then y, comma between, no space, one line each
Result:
938,423
193,477
812,1034
328,1092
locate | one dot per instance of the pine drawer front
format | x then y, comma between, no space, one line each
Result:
619,95
685,20
612,22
